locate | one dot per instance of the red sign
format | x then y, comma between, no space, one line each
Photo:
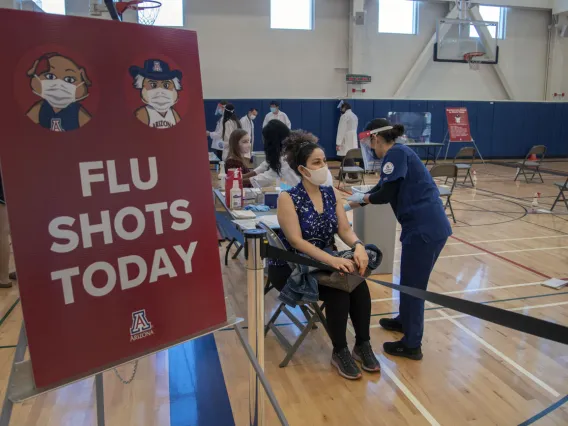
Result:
458,125
108,190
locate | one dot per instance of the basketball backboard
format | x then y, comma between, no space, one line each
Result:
458,38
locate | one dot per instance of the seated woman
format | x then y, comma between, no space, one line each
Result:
239,147
276,167
309,217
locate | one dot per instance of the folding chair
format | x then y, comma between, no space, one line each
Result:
532,165
229,232
467,153
563,187
312,311
449,171
348,167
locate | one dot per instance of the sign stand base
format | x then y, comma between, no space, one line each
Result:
447,142
21,384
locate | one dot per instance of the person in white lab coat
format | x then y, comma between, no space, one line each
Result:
276,114
276,167
225,127
217,144
247,123
347,134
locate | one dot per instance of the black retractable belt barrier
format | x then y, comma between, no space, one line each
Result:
513,320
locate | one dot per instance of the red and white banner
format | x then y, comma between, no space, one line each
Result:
458,125
108,190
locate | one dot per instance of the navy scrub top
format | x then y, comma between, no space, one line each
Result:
418,207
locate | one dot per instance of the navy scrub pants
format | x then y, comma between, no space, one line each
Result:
417,261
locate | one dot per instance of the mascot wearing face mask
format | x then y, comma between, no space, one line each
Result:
61,84
159,87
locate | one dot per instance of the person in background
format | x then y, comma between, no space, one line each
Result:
310,216
247,123
225,127
276,114
217,144
239,147
347,134
275,167
5,280
415,200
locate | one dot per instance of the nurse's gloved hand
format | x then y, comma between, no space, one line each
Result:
357,197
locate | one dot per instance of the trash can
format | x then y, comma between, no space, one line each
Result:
376,224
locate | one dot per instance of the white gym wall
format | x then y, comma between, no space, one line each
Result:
241,57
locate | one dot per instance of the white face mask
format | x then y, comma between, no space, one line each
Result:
318,177
58,93
159,99
252,117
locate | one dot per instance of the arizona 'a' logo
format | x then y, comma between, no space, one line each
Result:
56,125
141,327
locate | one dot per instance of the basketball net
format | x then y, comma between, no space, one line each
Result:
147,15
474,60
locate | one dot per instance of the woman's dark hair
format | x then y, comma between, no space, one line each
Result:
299,146
234,148
229,114
389,135
273,135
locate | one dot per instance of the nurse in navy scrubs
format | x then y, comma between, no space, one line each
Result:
407,185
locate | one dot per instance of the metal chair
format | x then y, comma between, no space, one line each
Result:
229,232
353,156
467,153
532,165
449,171
312,311
563,187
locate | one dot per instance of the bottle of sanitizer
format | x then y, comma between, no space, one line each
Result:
222,175
236,196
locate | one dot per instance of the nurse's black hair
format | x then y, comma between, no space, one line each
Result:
345,106
299,146
273,135
389,135
229,114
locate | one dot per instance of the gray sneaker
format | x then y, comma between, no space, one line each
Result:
365,355
345,365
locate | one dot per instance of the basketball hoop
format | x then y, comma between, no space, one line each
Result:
473,59
147,10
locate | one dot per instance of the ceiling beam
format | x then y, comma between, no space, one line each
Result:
528,4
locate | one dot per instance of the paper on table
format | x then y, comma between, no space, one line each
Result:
246,224
270,220
243,214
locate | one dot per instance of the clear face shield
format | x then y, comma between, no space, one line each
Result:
365,137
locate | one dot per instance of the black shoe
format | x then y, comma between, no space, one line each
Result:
9,285
400,349
345,364
391,324
13,276
365,355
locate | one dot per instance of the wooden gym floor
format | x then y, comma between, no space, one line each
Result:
473,372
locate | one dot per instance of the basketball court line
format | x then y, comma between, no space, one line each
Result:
507,239
501,355
545,412
472,290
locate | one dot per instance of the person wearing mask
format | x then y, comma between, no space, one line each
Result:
276,114
310,216
247,123
406,184
239,147
276,167
225,127
217,144
347,134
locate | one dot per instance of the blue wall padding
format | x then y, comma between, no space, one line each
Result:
500,129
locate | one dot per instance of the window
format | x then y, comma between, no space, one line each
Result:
169,15
398,16
292,14
492,14
52,6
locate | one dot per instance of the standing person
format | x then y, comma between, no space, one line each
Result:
414,197
247,123
347,134
276,114
216,143
225,127
239,147
276,165
309,217
5,281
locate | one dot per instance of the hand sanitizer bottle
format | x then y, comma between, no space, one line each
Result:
236,196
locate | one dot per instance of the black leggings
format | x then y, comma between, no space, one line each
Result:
338,306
